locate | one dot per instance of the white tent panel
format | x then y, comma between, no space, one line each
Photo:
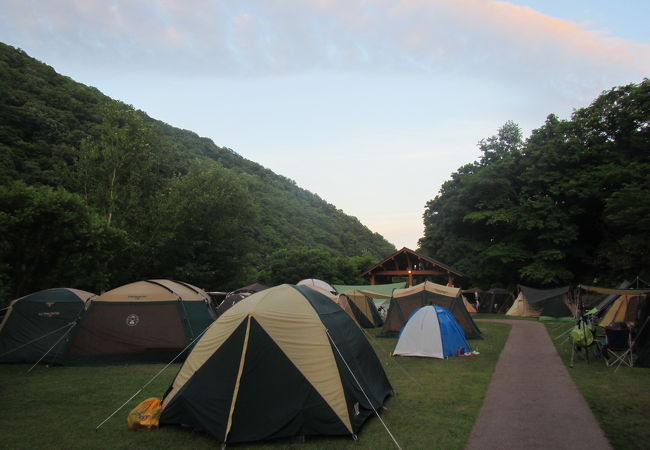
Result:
421,335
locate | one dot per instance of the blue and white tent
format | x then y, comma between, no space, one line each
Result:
431,332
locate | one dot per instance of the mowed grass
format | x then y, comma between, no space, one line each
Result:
435,404
619,399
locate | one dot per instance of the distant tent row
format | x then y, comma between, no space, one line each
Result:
150,320
356,303
144,321
495,300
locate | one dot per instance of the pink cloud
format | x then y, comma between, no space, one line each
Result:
497,38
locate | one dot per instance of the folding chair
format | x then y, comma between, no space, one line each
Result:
618,346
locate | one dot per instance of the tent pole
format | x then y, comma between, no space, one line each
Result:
584,326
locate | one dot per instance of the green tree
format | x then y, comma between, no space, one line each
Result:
205,228
48,237
349,268
507,141
565,206
119,173
292,265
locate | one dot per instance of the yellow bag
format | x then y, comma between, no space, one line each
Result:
144,417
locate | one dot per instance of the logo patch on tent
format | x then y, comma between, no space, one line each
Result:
132,320
355,409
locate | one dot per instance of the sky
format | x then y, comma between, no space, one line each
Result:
371,104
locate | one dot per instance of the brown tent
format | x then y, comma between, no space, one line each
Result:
405,301
363,307
342,300
148,320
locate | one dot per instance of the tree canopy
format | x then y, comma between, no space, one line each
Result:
568,205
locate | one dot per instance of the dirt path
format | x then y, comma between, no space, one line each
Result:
532,402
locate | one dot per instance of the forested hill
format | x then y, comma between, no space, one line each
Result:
571,204
94,193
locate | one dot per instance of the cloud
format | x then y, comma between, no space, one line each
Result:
263,37
366,79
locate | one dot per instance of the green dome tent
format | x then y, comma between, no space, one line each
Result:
278,364
38,325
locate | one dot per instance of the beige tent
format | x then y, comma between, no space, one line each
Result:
626,308
341,300
427,286
468,306
405,301
147,320
283,362
542,302
363,307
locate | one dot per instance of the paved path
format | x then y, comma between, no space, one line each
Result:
532,402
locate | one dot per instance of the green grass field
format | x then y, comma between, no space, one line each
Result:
620,400
435,405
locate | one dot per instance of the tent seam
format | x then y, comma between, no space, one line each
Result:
237,383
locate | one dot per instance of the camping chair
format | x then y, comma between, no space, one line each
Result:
618,346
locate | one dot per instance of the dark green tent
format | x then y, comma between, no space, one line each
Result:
39,325
279,363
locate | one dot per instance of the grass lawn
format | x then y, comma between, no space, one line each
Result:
620,400
435,405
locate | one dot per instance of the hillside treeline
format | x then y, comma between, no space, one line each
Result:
94,194
570,204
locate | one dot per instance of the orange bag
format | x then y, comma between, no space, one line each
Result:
144,417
